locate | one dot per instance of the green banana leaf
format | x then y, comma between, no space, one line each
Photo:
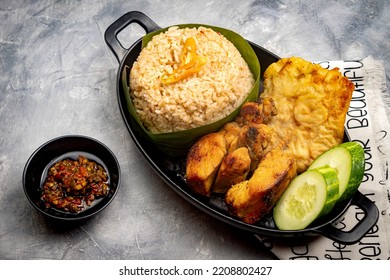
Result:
178,143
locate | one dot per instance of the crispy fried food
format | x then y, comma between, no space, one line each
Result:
252,199
231,132
203,161
221,154
257,112
206,155
257,138
234,169
300,114
311,102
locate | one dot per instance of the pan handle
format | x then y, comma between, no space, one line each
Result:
360,229
110,36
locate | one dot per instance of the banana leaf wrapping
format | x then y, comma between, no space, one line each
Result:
178,142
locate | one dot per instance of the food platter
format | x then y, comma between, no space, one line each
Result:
172,169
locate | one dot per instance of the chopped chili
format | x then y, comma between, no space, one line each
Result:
190,63
72,184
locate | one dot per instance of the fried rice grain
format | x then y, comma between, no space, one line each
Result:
214,92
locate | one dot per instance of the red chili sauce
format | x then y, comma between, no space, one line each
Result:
72,184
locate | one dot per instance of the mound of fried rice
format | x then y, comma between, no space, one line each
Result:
203,98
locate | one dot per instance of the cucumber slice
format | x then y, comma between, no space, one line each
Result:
309,196
348,160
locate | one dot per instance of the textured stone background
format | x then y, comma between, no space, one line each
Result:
58,77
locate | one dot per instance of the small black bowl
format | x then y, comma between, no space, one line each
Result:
71,146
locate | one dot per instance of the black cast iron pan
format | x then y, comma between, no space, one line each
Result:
172,169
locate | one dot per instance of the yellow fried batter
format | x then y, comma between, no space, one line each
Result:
311,102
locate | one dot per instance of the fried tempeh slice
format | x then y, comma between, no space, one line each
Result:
234,169
252,199
203,161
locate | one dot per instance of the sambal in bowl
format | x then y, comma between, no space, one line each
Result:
71,177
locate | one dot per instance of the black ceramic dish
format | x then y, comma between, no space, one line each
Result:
57,149
171,169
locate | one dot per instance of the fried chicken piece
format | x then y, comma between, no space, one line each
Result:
231,132
259,112
206,156
234,169
252,199
312,103
203,161
257,138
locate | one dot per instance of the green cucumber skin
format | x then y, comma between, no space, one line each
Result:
357,172
340,159
332,188
355,163
329,181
